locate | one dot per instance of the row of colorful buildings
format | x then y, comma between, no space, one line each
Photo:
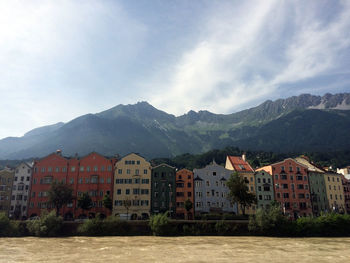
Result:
139,190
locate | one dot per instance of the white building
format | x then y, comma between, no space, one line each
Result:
20,191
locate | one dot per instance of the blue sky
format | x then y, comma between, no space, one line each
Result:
63,59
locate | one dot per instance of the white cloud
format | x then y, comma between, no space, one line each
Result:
55,57
248,52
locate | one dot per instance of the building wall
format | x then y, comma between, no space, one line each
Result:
96,174
184,191
264,189
45,171
21,191
211,191
132,184
346,187
318,193
335,192
163,189
291,187
6,181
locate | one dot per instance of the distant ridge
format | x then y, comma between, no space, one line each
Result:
298,123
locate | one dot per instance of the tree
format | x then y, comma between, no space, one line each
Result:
85,202
60,194
239,192
188,206
107,202
127,204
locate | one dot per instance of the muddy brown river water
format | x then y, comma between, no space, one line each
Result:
174,249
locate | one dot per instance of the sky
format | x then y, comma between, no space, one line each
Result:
62,59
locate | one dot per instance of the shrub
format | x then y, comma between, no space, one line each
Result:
160,225
222,228
48,225
8,228
111,226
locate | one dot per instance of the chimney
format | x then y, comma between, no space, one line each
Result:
243,157
59,152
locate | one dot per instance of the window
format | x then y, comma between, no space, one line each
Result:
109,180
127,191
102,180
88,168
120,171
145,171
259,181
64,169
102,168
72,169
189,185
119,191
109,168
136,191
57,169
95,168
49,169
290,169
207,182
81,168
43,170
128,171
285,195
189,194
137,171
137,162
214,173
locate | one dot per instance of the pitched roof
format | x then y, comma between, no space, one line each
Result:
311,167
239,164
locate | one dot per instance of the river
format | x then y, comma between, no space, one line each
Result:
174,249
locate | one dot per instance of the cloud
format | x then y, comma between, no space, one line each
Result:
250,52
58,58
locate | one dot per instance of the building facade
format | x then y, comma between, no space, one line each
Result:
264,189
242,167
6,181
346,187
163,189
184,191
21,191
132,188
92,173
211,191
318,193
95,177
291,187
335,192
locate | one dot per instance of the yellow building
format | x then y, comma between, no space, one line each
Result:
132,188
242,167
335,192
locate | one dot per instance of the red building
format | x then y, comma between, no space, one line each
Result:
184,191
92,173
291,187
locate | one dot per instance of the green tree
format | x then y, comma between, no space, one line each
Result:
85,202
188,206
60,194
107,202
239,192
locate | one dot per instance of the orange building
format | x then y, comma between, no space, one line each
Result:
184,191
92,174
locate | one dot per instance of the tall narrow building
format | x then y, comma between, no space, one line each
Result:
6,181
264,189
211,191
242,167
318,192
291,187
335,192
163,189
21,191
132,188
184,192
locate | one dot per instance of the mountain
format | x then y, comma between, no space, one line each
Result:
299,123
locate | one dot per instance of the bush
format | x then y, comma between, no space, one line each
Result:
222,228
8,228
111,226
269,221
160,225
48,225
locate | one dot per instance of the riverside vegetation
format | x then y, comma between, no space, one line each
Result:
268,222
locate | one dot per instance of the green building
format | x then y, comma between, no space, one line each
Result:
264,189
163,189
318,191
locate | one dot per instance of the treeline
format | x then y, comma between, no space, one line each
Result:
336,159
255,158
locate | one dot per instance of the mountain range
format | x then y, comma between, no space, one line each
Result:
296,124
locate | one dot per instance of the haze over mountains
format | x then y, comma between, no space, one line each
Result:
296,124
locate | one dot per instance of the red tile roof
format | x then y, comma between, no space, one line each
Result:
239,164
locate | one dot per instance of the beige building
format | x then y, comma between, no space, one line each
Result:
6,180
335,192
242,167
132,188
